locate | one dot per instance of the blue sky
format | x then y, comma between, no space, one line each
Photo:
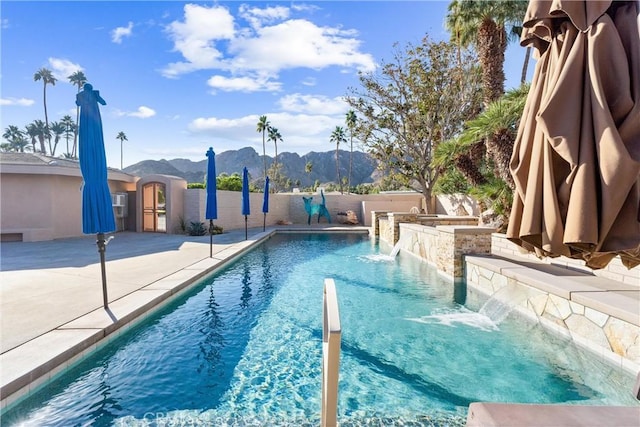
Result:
180,77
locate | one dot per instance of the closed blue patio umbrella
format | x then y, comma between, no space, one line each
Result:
245,199
212,198
265,203
97,209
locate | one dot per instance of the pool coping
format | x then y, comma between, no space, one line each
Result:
30,365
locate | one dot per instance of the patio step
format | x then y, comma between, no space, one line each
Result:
525,415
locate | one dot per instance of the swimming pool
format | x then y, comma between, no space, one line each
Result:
244,348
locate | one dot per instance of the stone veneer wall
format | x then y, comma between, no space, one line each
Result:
613,338
386,225
444,245
500,245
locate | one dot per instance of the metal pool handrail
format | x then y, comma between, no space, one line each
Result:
331,333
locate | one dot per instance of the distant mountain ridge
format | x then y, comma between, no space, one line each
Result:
293,166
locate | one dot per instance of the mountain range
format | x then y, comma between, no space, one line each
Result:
323,166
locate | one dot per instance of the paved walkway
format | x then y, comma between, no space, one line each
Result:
47,286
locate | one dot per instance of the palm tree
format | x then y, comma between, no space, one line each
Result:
69,131
32,132
274,135
16,138
77,79
41,131
338,136
351,124
487,25
122,137
499,123
57,129
263,126
46,76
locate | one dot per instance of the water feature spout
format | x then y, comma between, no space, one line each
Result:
502,302
396,249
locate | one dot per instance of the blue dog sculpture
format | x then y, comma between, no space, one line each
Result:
319,209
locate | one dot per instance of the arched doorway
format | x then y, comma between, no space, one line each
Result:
154,208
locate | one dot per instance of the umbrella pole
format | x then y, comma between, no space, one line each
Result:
210,238
245,228
102,246
264,222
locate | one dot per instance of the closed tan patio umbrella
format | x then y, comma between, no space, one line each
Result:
576,159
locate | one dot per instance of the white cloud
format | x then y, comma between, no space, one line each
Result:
243,84
257,17
195,38
5,23
21,102
299,131
63,68
208,38
309,81
313,104
304,7
142,112
299,43
120,32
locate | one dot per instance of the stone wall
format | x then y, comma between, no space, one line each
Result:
444,245
565,306
500,245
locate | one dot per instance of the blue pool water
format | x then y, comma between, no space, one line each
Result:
244,348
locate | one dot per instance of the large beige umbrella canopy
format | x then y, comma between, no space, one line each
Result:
576,159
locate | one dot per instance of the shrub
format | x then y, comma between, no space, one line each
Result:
197,229
216,229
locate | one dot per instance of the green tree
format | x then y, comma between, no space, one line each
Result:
42,132
229,182
16,139
69,131
487,25
263,127
417,101
32,132
46,76
350,121
122,137
337,137
308,167
274,135
57,129
78,79
499,121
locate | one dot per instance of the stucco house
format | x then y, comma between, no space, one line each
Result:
41,197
